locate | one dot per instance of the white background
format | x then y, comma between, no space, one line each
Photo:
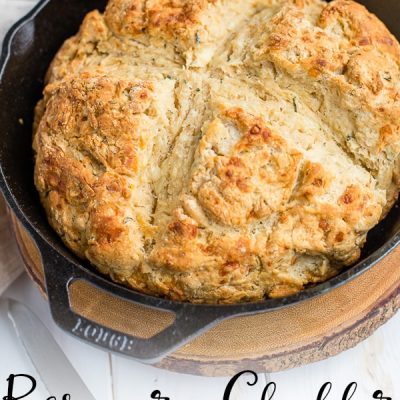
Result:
374,364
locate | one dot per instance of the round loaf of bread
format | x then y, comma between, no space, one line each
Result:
221,151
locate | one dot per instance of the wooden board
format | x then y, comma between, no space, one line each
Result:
270,342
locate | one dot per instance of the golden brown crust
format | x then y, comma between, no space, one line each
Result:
359,26
193,28
348,56
221,152
127,17
88,147
253,179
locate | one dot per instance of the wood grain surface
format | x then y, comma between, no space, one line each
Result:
269,342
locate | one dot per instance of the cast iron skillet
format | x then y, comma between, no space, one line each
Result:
28,49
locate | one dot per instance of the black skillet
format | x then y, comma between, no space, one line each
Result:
28,49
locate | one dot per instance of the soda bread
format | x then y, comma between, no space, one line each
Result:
221,151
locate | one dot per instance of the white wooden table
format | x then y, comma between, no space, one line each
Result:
374,364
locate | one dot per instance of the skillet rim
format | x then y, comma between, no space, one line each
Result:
236,309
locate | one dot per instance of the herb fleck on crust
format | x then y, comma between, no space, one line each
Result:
219,151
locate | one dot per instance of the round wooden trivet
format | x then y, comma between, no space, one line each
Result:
298,335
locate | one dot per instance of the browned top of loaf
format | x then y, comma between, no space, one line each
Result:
221,151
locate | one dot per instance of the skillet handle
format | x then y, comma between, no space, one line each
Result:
190,321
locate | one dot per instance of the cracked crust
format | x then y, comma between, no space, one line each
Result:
221,151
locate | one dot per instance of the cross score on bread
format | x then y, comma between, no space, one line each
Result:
221,151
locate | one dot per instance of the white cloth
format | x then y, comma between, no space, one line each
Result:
11,264
11,11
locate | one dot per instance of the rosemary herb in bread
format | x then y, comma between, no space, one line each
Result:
221,151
